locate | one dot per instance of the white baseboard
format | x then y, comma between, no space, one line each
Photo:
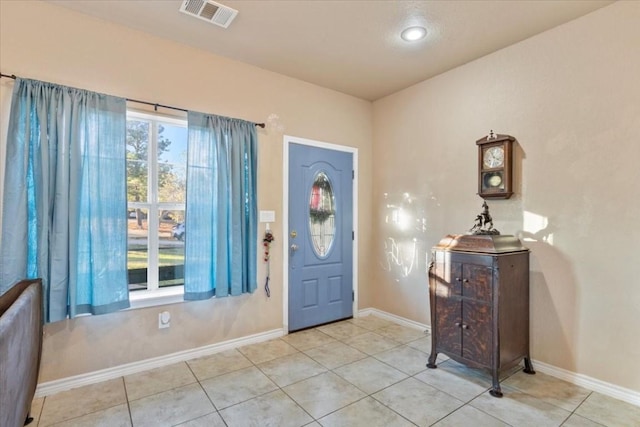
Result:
56,386
393,318
608,389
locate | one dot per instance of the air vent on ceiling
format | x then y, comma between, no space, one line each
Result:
210,11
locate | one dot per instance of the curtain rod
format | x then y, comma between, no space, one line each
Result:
153,104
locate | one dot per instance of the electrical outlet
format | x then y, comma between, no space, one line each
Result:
164,320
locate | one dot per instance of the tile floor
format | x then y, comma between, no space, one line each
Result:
359,372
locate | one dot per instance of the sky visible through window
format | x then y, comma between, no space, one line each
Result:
177,151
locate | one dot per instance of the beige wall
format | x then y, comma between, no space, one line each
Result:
571,97
47,42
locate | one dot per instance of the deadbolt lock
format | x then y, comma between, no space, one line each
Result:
293,233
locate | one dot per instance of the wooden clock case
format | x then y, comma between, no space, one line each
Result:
505,171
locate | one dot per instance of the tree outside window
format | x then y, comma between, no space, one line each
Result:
156,188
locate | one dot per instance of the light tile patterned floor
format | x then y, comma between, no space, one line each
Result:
360,372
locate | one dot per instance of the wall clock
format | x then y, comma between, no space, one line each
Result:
495,179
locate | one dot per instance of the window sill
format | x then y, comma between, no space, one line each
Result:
143,299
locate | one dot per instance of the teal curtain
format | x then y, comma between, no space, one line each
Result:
64,202
221,207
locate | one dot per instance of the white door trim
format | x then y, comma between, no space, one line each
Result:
285,219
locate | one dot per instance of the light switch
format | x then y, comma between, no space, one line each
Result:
267,216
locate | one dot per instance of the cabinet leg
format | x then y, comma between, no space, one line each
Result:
432,360
495,391
528,367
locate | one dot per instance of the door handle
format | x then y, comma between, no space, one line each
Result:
294,248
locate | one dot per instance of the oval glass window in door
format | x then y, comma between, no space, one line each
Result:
322,213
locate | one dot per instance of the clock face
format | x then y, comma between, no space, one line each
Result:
493,157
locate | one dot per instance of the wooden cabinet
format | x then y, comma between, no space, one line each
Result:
479,298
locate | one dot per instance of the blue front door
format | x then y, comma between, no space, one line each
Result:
320,236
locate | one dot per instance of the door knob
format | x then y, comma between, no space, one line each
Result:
294,248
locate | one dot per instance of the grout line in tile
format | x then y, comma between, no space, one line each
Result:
451,395
66,421
445,416
298,405
553,404
342,407
583,416
483,411
203,390
126,396
40,412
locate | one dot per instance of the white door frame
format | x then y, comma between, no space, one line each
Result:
285,219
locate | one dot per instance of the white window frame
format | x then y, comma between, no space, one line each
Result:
154,295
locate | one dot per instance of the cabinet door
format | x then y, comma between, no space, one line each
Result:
448,320
456,277
476,282
447,279
476,331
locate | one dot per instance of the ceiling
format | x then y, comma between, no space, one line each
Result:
352,47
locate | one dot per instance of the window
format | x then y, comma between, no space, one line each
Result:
156,190
322,215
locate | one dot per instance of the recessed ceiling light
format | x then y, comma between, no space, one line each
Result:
413,34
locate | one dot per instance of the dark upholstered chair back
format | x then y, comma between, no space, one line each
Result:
20,350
